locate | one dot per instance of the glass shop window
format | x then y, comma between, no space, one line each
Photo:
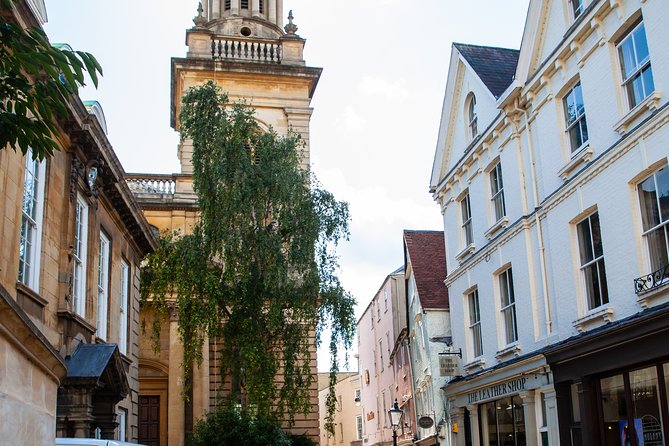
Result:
503,422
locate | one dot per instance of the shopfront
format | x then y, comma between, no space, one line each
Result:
510,406
612,384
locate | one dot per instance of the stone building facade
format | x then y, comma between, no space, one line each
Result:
242,47
73,238
551,174
347,416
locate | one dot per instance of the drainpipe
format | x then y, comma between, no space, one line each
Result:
540,236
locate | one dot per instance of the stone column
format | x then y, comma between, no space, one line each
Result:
271,10
552,416
279,13
474,423
530,413
215,10
458,417
175,410
255,8
201,384
235,6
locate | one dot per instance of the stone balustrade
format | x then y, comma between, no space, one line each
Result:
151,184
252,50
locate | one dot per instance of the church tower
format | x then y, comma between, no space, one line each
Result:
243,46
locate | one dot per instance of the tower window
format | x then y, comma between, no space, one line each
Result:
245,4
261,6
228,4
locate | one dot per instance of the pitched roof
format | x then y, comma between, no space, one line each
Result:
427,254
495,66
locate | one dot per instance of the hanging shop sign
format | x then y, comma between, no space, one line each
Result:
425,422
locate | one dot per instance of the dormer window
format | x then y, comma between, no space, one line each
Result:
577,7
472,116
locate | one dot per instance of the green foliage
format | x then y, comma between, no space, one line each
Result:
259,269
232,427
36,81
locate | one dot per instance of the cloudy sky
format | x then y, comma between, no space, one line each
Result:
377,105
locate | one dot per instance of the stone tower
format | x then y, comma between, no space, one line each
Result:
242,46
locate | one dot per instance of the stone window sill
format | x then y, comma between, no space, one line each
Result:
469,249
644,299
30,301
650,103
477,364
579,158
594,317
496,227
512,350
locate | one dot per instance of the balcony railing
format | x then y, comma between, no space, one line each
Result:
151,184
230,48
652,280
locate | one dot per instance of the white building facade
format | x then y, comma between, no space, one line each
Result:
551,172
376,340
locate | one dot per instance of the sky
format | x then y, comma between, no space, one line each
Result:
376,108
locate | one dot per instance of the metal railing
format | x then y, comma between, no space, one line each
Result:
653,280
230,48
151,184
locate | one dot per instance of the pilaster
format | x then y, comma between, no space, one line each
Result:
458,418
235,6
176,413
530,413
474,423
550,400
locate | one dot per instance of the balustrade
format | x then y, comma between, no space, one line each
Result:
151,184
266,51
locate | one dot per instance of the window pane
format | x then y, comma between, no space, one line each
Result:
657,248
636,90
592,286
614,410
646,402
627,57
584,130
490,425
648,84
663,192
649,206
641,44
519,420
585,241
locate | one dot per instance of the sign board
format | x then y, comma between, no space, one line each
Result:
449,365
425,422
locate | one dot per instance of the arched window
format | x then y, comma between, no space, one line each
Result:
472,116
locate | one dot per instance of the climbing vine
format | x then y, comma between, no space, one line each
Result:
259,270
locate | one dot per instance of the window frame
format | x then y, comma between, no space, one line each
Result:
577,8
30,247
579,123
124,300
638,70
646,229
474,306
80,256
104,267
466,220
497,192
508,305
472,116
595,261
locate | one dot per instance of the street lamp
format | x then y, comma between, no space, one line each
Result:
395,415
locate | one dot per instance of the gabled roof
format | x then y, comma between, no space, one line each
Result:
495,66
426,253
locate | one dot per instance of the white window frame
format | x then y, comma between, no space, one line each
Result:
475,323
497,192
381,353
661,226
80,253
104,263
508,306
577,123
466,218
122,419
590,260
638,69
358,425
32,216
124,295
472,117
577,8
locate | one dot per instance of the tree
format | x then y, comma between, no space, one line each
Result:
259,269
36,82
